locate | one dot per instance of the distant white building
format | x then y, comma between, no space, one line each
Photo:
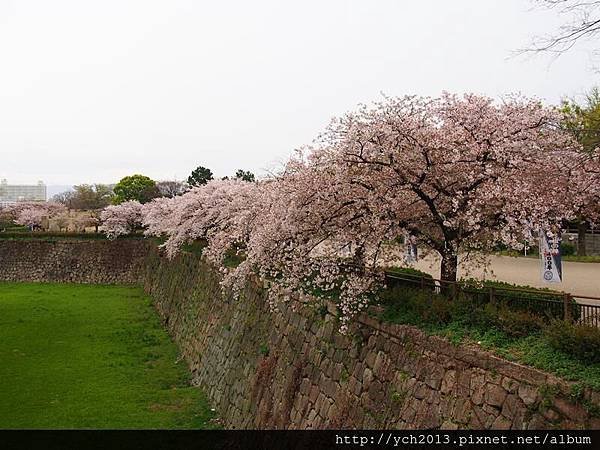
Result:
11,193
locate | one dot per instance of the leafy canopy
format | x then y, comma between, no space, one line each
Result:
86,197
245,175
135,187
583,119
200,176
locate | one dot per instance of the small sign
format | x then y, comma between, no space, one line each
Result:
550,257
411,255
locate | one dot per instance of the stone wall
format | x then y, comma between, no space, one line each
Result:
72,260
292,369
592,242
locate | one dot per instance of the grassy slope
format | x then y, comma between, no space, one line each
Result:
533,350
82,356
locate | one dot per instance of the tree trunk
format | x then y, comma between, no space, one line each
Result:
449,266
581,229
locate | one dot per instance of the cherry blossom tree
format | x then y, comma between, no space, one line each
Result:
31,214
121,219
222,213
458,173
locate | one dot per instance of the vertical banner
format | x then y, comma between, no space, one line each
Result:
550,257
410,243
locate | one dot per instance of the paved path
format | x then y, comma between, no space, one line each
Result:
578,278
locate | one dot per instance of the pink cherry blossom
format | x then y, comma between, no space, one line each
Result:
121,219
459,174
31,214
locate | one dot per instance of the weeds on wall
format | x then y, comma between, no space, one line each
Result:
572,352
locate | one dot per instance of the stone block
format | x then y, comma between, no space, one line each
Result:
313,393
462,411
420,391
570,410
480,419
434,378
551,415
528,394
449,425
330,388
509,385
511,406
501,423
495,395
376,392
448,382
370,360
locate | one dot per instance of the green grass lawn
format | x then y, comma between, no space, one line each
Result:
90,356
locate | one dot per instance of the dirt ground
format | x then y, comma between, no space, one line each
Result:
578,278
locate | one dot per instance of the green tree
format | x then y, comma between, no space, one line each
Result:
87,197
244,175
200,175
135,187
583,121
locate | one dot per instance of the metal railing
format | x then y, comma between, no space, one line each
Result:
578,309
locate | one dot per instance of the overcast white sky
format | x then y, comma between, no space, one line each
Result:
91,91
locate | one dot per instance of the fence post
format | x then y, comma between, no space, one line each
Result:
422,282
492,295
567,307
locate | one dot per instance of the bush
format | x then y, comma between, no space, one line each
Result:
513,323
567,249
410,274
51,236
408,271
9,227
515,310
581,341
418,307
542,302
234,256
415,306
195,247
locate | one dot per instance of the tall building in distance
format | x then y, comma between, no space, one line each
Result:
11,193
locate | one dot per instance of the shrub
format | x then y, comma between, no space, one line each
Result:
581,341
408,271
51,236
410,274
415,306
542,302
514,313
513,323
195,247
234,256
10,227
567,249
